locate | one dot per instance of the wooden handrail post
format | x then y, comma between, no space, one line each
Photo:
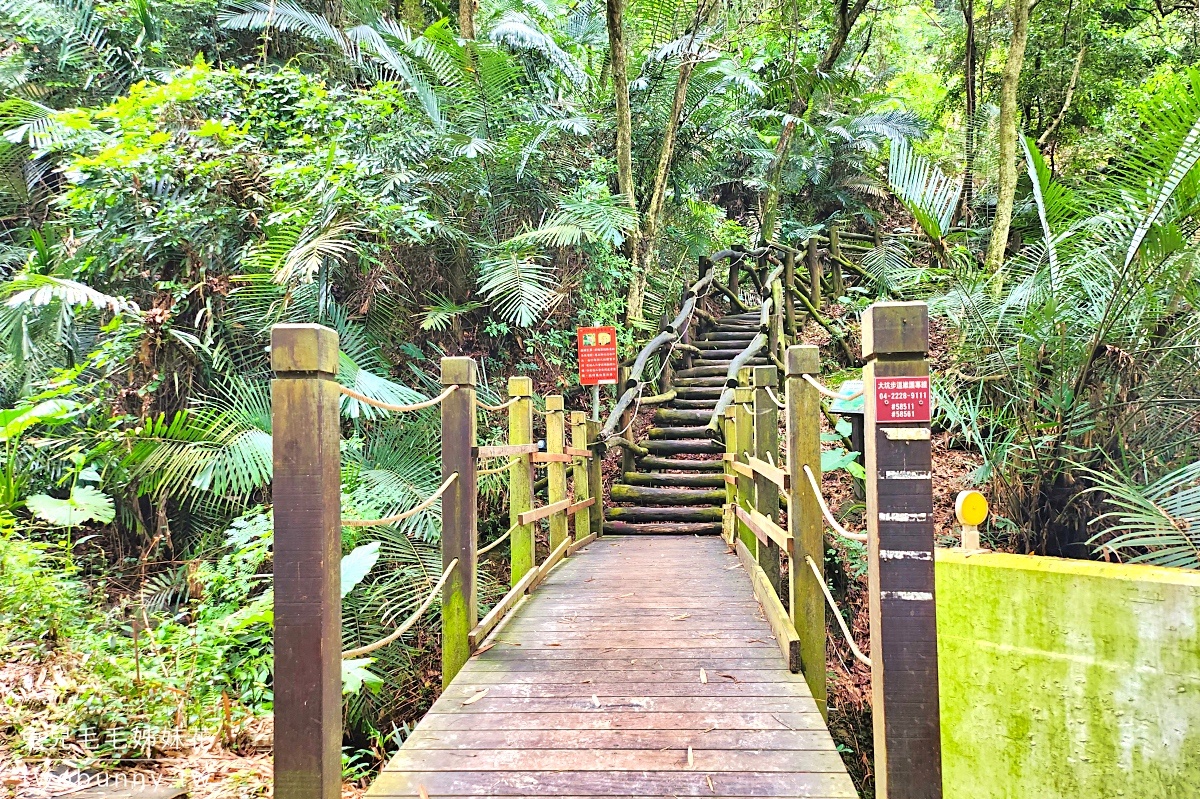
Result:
556,471
789,294
814,273
735,276
836,285
520,477
743,396
579,474
460,529
766,448
596,477
803,425
904,664
628,463
729,523
306,494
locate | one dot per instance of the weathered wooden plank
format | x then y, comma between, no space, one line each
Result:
575,507
551,457
501,609
460,503
592,686
680,672
713,761
575,546
628,720
613,783
778,476
764,528
549,563
711,740
506,450
530,516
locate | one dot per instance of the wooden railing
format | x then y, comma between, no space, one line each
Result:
576,503
306,431
761,477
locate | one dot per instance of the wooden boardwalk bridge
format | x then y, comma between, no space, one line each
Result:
670,641
641,667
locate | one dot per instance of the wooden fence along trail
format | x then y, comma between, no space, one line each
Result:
655,647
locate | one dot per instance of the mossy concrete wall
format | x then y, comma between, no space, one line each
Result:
1067,679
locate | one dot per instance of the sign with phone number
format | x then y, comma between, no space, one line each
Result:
902,399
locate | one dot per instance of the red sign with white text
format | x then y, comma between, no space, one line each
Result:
901,399
597,356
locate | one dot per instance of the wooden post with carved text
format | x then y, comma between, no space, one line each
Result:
904,672
306,495
460,515
520,478
807,528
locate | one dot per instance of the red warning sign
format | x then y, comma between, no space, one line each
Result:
597,355
901,399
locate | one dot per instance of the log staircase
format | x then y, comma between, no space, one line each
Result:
679,487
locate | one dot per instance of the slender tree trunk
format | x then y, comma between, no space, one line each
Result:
618,66
466,18
618,59
658,195
1062,112
968,9
1007,187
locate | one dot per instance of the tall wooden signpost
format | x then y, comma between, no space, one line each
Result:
904,671
306,493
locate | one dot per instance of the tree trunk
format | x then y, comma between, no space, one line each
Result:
658,195
1007,188
968,9
618,66
466,18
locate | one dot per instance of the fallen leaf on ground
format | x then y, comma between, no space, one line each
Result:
703,676
424,793
691,762
473,699
680,617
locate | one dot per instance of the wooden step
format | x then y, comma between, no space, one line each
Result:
735,345
698,382
704,371
689,446
670,479
721,355
680,464
686,447
757,360
699,392
699,403
666,496
728,335
665,433
670,417
643,514
662,528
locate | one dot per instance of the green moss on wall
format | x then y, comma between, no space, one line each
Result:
1062,679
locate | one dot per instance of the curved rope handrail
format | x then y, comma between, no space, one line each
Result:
399,517
494,408
409,622
832,522
387,406
812,564
498,541
498,469
828,392
780,404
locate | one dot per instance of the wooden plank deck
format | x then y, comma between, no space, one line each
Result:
594,688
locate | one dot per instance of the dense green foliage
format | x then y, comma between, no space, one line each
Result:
176,176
